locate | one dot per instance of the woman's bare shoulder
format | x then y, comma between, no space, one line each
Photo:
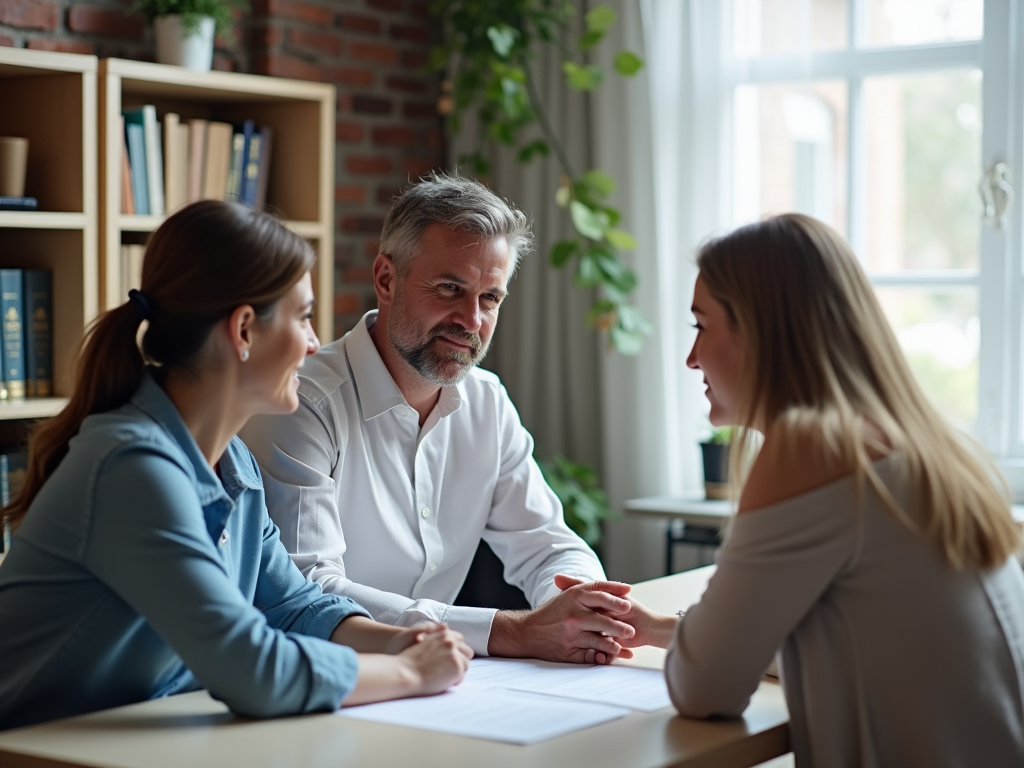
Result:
798,457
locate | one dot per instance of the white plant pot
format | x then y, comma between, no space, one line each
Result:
173,47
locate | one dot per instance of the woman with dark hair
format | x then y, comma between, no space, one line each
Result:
873,545
143,561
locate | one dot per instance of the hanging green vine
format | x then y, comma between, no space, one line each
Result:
488,49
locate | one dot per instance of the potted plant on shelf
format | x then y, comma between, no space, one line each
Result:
715,451
185,29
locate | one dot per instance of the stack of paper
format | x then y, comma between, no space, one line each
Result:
524,702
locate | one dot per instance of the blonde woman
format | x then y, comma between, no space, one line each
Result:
872,545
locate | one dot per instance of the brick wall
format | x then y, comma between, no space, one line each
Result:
388,131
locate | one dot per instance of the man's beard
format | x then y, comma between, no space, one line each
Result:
443,366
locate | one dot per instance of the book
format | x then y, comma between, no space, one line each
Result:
13,468
12,310
251,172
146,117
218,159
175,162
37,290
241,146
196,159
127,195
131,267
263,173
137,160
18,203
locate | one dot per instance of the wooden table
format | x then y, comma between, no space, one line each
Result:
194,731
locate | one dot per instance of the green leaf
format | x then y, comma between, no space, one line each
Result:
628,64
588,222
600,308
502,39
582,78
588,273
600,19
534,148
627,343
599,182
632,319
562,251
621,239
590,39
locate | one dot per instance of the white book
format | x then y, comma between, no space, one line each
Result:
175,162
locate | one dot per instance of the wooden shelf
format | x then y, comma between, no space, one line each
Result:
301,180
31,408
42,220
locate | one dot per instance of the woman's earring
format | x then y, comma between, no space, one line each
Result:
245,355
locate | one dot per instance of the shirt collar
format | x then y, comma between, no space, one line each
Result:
152,400
378,392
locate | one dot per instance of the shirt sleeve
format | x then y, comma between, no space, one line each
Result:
775,565
526,528
157,555
297,455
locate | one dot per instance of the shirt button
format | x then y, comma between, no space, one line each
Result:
223,538
426,512
433,566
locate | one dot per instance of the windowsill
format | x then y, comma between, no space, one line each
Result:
1013,471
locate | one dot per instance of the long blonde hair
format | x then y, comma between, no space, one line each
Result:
822,358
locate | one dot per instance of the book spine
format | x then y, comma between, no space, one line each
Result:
196,159
38,293
252,171
137,159
266,142
154,160
12,308
5,499
234,191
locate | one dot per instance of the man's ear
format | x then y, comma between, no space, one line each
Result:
385,279
241,330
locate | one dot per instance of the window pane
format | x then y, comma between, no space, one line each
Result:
923,147
790,26
914,22
939,333
791,151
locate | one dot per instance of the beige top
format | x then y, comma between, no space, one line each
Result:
889,657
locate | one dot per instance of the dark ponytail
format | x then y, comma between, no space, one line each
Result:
203,262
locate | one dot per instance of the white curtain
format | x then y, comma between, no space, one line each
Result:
637,419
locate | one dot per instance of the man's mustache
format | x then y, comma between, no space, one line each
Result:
455,333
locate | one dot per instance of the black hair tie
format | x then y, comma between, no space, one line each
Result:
142,304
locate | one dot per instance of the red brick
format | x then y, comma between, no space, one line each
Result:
371,248
370,105
401,137
415,59
316,42
374,166
223,63
296,9
419,109
90,20
386,196
406,84
347,303
415,34
349,132
279,65
266,37
363,275
420,9
350,194
433,139
348,75
7,41
353,22
62,46
417,167
378,53
29,14
385,5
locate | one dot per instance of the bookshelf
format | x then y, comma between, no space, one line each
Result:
51,98
301,181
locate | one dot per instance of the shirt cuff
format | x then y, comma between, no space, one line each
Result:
334,668
330,611
473,623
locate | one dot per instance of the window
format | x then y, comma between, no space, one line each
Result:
879,117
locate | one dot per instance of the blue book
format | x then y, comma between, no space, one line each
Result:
12,309
137,161
239,159
251,171
38,293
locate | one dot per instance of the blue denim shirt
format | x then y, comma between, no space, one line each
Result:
138,573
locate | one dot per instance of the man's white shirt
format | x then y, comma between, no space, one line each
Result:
376,508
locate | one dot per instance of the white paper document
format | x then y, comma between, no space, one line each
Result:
489,713
621,686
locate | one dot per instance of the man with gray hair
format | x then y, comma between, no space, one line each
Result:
403,454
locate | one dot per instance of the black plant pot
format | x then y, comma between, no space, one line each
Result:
716,470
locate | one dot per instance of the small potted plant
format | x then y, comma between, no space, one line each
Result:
715,451
185,29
